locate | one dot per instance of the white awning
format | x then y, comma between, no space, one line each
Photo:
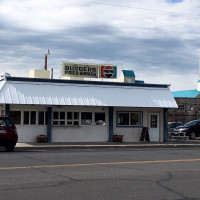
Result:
84,94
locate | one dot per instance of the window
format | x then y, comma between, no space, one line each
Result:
62,118
129,119
29,117
15,116
58,118
5,123
181,107
136,119
33,117
42,118
66,118
73,118
26,117
86,118
100,119
190,107
2,123
8,123
154,121
123,119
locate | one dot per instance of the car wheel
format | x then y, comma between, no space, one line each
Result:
192,136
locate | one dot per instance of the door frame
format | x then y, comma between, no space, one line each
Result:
158,126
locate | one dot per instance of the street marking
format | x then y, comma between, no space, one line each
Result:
96,164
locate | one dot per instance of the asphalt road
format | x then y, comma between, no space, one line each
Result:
101,174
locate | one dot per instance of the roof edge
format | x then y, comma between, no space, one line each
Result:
24,79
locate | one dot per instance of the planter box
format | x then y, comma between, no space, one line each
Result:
117,138
41,138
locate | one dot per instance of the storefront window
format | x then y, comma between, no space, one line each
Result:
123,119
33,117
86,118
129,119
76,119
66,118
58,118
55,115
29,117
69,115
41,117
136,119
26,117
15,116
100,119
62,118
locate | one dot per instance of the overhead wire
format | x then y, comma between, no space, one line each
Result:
139,8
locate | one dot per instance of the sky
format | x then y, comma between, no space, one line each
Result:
158,39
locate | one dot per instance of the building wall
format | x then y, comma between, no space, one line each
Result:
85,133
29,133
132,134
188,110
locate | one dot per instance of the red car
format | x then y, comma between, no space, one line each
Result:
8,134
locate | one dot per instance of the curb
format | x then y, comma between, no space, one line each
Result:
101,146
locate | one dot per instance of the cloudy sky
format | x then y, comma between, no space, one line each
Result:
158,39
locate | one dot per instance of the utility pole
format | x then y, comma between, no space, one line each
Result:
46,54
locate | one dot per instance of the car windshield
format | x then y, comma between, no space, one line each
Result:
192,123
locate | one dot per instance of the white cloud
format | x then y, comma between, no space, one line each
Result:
147,36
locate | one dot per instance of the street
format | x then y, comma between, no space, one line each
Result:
101,174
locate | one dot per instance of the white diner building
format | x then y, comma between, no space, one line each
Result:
85,111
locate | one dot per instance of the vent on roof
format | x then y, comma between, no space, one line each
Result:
5,74
127,76
38,73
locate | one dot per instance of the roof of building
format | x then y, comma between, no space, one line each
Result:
186,94
128,73
33,91
139,81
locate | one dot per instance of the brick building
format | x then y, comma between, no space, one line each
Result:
188,105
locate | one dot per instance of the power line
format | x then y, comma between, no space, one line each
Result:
138,8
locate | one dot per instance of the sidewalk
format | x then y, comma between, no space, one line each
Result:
97,145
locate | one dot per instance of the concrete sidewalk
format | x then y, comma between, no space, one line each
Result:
96,145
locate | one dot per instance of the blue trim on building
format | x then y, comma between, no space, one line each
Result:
128,73
49,124
110,124
96,83
166,135
139,82
7,110
186,94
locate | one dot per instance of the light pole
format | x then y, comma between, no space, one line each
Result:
46,54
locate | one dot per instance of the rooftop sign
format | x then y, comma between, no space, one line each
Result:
108,71
85,70
79,70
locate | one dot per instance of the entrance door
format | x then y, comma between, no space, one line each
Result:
154,127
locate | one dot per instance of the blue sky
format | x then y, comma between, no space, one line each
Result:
158,39
175,1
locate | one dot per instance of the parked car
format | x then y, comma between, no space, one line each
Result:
8,134
191,129
173,125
